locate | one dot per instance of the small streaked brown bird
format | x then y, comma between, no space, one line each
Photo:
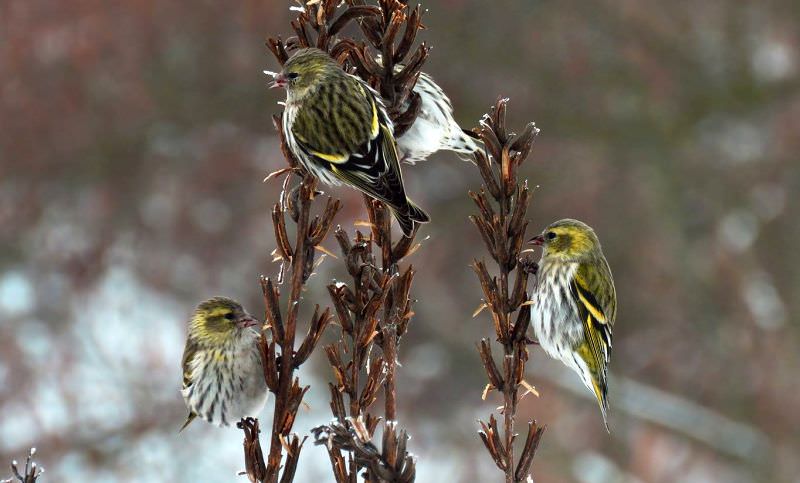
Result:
575,303
336,125
223,379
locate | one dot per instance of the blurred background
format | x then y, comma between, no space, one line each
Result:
134,137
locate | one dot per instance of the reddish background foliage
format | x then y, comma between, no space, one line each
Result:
134,139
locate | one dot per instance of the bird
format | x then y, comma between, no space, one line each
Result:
435,128
223,379
337,127
574,304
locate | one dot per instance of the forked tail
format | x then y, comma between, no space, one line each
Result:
412,214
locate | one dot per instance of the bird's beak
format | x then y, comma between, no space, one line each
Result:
247,321
537,240
279,80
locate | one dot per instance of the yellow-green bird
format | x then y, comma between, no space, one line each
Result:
223,379
574,304
336,125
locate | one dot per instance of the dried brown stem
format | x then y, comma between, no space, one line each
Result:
279,357
374,308
502,203
358,373
354,438
30,473
255,468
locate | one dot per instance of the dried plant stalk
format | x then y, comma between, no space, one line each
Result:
29,474
502,202
279,356
374,308
359,374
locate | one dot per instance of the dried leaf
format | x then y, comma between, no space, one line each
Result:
277,172
326,251
486,391
479,309
530,389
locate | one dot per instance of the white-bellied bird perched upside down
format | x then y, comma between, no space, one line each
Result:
575,303
223,379
435,128
338,128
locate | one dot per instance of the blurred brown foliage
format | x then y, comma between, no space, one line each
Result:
135,137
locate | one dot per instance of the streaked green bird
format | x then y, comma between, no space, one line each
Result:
336,125
574,303
223,379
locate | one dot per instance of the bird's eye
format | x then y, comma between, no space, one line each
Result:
551,235
230,316
292,75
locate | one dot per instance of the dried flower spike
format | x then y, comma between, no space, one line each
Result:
502,202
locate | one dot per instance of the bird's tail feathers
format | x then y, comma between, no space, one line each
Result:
409,217
595,377
406,223
602,400
464,143
189,419
416,213
600,388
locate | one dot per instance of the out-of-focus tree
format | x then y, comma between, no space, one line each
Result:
134,137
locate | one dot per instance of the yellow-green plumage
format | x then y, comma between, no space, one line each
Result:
336,133
575,303
223,379
338,128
